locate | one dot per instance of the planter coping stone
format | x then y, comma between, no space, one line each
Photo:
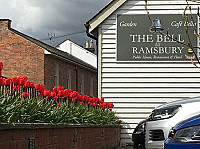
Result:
4,126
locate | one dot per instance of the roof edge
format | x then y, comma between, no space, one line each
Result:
104,13
54,50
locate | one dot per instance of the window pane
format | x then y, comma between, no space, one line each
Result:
69,78
82,83
56,75
91,87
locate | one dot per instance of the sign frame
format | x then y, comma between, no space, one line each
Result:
150,38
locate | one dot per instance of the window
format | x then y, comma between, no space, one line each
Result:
56,75
82,83
91,87
69,78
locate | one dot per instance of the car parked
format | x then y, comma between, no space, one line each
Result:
166,116
185,135
138,136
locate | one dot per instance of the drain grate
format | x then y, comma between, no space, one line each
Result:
31,143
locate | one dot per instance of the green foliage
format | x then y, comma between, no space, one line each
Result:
16,109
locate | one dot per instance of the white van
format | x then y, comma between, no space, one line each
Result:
166,116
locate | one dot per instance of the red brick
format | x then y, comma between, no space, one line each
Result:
63,66
21,57
5,135
47,140
5,145
22,144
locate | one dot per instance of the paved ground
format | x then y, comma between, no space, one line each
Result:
125,147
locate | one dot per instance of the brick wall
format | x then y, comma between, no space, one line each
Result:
87,80
19,56
76,70
59,136
24,58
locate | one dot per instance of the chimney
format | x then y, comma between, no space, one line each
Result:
91,43
87,44
5,24
89,48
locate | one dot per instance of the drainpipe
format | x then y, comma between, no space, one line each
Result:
76,74
87,25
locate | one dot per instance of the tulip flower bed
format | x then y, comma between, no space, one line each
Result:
22,101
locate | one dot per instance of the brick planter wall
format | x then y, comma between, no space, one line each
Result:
49,136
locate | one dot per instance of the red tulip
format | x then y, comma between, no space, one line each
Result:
105,104
7,82
67,92
58,104
26,84
1,66
110,105
16,88
37,86
81,103
103,107
15,81
86,98
53,94
40,88
98,100
80,97
61,93
47,93
25,78
93,99
25,94
73,94
55,97
55,90
31,85
74,99
60,88
100,105
22,80
94,104
102,100
90,99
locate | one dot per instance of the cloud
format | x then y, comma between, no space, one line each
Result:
37,18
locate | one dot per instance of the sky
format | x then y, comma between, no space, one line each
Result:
42,19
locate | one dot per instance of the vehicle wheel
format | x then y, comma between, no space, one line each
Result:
138,146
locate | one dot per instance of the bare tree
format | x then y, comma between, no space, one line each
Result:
186,18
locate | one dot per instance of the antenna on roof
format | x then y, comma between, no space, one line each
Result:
51,37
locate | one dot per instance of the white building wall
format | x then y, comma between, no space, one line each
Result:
79,52
136,88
